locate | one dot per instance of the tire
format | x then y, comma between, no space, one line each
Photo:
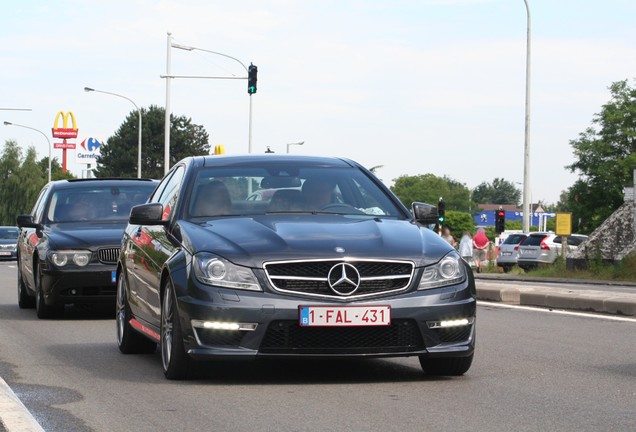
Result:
42,310
128,340
446,366
507,268
175,361
25,301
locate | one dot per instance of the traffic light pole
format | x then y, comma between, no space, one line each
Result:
169,76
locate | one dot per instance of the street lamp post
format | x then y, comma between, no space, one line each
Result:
37,130
526,152
296,143
88,90
168,76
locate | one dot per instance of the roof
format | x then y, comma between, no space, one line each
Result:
273,159
105,181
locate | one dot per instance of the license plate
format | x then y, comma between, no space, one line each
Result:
345,316
5,253
506,253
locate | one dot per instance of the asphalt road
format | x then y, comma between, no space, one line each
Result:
534,370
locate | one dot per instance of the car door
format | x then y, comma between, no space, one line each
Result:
151,248
29,239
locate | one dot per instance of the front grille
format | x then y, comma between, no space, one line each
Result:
288,337
108,255
312,277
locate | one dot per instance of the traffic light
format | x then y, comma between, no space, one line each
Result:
251,79
441,211
500,221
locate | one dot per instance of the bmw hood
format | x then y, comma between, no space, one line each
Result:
85,235
252,241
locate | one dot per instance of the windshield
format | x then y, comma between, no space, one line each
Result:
96,203
9,233
287,189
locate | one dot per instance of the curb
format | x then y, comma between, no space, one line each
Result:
14,416
562,298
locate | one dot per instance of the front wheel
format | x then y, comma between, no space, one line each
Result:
446,366
128,340
25,301
176,362
42,310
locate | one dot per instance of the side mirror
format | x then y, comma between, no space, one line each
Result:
147,214
26,221
424,213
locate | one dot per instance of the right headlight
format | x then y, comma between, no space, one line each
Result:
450,270
211,269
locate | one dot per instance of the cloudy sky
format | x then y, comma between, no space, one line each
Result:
416,86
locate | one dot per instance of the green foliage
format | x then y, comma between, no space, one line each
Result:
458,222
428,188
605,159
500,191
120,152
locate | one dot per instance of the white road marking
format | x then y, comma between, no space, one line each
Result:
558,311
15,417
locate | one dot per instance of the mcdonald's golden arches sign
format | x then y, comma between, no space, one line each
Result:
65,131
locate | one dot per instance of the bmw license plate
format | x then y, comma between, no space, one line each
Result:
344,316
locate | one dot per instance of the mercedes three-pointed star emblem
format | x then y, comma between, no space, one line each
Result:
344,279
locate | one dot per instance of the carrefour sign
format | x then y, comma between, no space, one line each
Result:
88,151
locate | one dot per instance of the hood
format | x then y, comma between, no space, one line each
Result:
252,241
85,235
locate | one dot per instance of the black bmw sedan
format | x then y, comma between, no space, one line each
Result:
331,264
69,244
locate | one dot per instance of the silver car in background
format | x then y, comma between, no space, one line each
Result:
544,248
509,251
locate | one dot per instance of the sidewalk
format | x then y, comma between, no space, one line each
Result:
594,296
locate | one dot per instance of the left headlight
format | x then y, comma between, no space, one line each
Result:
80,258
449,270
214,270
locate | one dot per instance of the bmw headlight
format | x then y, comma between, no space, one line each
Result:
448,271
80,258
213,270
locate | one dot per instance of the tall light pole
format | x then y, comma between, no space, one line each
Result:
296,143
88,90
168,76
526,147
37,130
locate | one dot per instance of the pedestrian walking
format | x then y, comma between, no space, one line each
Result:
466,247
480,245
449,237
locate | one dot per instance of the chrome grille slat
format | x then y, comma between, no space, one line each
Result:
310,278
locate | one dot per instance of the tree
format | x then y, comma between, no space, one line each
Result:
119,154
429,188
605,156
500,191
20,182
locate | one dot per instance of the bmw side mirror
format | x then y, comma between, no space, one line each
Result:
26,221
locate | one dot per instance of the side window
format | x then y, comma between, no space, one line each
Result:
168,194
38,208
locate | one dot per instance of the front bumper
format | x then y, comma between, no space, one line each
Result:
278,332
94,284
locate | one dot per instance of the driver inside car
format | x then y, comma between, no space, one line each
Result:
317,193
